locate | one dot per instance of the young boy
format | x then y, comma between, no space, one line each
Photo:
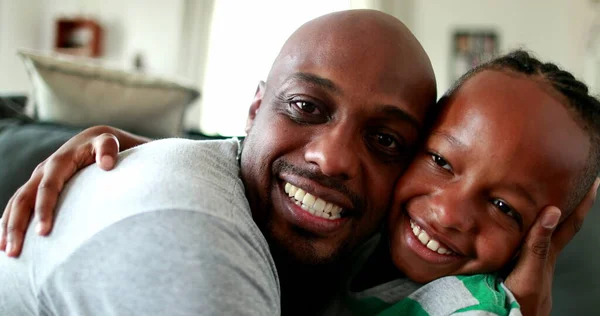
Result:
514,135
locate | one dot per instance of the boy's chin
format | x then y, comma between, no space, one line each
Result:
424,277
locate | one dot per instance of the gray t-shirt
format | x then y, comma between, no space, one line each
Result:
168,232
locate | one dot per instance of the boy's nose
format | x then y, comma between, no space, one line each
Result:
454,211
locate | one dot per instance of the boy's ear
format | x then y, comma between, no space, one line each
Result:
256,102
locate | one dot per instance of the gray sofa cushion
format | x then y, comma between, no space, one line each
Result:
576,287
22,148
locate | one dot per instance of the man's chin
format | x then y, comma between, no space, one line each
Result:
296,248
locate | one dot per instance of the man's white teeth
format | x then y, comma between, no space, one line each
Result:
312,204
429,242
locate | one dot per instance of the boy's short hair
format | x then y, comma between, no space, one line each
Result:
585,107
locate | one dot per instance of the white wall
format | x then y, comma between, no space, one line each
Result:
245,38
19,27
150,27
553,29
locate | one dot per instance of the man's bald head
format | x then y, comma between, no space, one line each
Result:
339,117
359,35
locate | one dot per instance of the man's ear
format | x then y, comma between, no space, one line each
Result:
256,102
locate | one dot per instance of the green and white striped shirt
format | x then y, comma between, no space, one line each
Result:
481,294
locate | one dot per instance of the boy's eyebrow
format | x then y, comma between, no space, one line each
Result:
522,191
451,139
516,187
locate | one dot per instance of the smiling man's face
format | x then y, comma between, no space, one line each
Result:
331,130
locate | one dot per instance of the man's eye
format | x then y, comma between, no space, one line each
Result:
441,162
389,146
507,209
306,107
385,140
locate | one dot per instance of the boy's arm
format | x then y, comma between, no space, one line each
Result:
100,144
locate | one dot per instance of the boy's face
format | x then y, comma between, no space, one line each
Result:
503,148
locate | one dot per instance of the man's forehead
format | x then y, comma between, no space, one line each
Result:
384,66
351,72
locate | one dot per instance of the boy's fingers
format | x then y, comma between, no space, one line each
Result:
573,223
20,214
529,280
106,147
56,174
4,223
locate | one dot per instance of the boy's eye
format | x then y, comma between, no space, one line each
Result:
507,209
306,107
440,161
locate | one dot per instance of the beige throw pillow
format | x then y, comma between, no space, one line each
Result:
82,92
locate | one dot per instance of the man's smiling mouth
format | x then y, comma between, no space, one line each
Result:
429,242
312,204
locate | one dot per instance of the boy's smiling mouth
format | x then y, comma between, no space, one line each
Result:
428,241
429,244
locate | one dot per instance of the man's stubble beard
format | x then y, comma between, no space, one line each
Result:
298,249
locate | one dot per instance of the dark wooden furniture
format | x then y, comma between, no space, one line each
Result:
78,36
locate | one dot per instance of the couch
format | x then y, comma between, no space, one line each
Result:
24,143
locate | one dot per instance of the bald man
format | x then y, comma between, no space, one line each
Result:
337,120
187,228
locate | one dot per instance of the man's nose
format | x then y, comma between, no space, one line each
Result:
454,210
336,152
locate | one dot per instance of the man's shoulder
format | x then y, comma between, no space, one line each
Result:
168,174
198,158
181,178
158,262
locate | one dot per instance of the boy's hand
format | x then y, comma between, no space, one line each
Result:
531,279
96,144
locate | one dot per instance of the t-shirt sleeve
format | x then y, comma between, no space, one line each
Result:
169,262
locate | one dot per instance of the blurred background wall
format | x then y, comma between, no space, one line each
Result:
226,46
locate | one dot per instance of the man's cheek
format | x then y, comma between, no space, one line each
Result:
380,196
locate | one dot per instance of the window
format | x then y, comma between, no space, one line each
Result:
245,37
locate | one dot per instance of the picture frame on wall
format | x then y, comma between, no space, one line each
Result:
78,36
470,48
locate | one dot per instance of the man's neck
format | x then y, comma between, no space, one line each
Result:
378,269
306,289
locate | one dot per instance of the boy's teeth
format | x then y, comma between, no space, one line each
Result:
433,245
426,240
423,237
311,203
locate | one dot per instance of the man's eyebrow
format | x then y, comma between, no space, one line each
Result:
387,110
316,81
396,113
